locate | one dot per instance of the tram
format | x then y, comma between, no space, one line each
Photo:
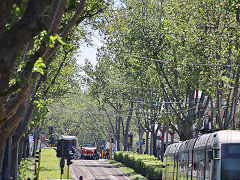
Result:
65,145
213,156
71,141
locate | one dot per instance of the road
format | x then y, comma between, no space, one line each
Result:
95,170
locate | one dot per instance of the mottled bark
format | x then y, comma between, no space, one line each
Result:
14,162
127,123
118,133
7,160
147,142
154,144
235,99
11,125
162,149
2,150
20,150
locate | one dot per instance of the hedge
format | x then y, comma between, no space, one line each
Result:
148,166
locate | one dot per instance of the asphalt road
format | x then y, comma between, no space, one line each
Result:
95,170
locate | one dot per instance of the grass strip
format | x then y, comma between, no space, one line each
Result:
126,170
49,167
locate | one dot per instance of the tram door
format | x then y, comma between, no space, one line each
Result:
183,161
182,168
208,164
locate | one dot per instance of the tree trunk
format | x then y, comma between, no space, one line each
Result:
154,143
151,143
7,159
20,150
125,145
127,126
235,100
14,162
12,125
2,151
24,155
147,142
140,140
163,142
118,134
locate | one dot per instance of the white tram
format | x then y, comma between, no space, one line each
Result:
214,156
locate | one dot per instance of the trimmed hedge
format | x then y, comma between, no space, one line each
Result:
148,166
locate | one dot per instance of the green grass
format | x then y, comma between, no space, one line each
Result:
126,170
49,167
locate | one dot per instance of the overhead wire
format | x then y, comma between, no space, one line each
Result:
88,113
178,64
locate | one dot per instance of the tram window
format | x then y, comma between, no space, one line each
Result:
230,165
216,154
208,163
210,154
198,166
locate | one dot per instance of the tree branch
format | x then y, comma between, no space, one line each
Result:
34,21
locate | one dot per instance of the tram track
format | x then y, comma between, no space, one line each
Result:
97,170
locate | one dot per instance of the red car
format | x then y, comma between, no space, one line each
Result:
89,151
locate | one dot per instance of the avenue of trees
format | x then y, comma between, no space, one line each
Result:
170,66
38,40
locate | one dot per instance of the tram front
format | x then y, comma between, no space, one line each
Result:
230,161
227,160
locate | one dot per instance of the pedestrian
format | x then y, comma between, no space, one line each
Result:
80,178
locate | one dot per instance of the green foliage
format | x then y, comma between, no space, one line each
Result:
171,47
78,114
24,169
16,12
148,166
39,66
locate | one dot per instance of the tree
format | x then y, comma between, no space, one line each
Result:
205,34
105,85
193,55
30,34
78,114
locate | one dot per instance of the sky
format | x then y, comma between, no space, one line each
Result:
89,52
